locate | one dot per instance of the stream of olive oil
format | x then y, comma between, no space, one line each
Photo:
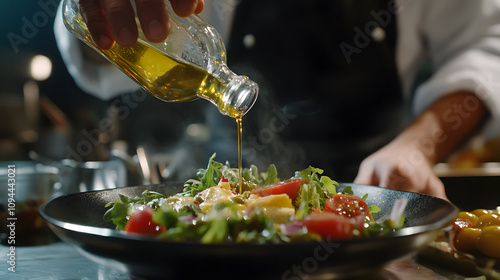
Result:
169,79
240,156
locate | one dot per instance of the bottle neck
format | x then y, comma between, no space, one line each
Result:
234,95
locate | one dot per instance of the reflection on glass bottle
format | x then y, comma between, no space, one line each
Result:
189,64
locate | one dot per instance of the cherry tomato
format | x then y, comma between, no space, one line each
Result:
468,216
488,241
141,222
489,219
346,205
290,187
330,225
465,241
461,223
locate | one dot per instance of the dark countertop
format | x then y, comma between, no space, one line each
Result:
60,261
57,261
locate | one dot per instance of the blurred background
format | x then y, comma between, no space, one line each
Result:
32,72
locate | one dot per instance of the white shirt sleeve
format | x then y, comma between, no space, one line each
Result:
462,40
104,81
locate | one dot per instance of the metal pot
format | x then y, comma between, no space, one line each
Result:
74,177
91,175
31,184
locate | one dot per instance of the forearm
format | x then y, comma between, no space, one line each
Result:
445,125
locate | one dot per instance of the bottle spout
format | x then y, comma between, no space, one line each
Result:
238,97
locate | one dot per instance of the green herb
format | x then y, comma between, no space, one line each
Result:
373,209
117,214
206,178
211,176
314,190
214,172
330,185
347,191
379,228
152,194
166,215
121,208
252,175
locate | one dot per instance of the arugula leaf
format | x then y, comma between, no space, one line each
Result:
308,174
330,185
166,215
380,228
153,194
314,190
215,231
374,209
211,176
311,195
206,178
347,191
253,176
270,176
231,174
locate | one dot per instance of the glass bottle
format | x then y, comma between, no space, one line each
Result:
189,64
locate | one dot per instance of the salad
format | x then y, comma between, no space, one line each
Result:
213,209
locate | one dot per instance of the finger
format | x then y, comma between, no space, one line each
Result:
396,182
154,19
366,177
436,188
121,19
184,8
97,24
395,179
200,7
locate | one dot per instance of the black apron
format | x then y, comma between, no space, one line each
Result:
329,92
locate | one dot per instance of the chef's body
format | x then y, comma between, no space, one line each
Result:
339,81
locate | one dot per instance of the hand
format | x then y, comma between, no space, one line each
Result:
406,162
401,167
110,20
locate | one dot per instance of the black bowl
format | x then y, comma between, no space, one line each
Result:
77,220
